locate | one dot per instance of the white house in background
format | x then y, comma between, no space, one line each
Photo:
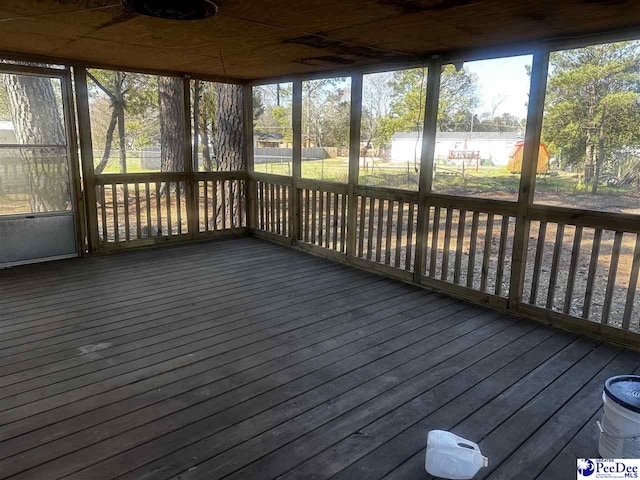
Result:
453,147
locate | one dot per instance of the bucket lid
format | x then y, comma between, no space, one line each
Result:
625,391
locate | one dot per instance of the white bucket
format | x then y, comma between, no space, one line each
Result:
620,428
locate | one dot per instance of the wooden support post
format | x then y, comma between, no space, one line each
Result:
426,165
296,125
251,192
354,161
528,176
192,194
86,154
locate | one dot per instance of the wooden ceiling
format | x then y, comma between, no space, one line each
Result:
251,39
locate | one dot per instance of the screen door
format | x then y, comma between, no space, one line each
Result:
37,216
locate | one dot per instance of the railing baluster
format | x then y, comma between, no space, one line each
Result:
233,205
553,275
631,289
343,223
127,226
105,234
327,232
138,214
262,204
242,203
363,208
147,194
457,266
159,207
278,229
426,261
285,210
314,203
408,257
399,230
307,209
435,234
206,205
486,254
370,233
320,218
335,221
387,252
504,229
473,245
272,208
575,255
127,229
116,222
214,204
611,280
227,204
178,207
444,274
535,279
379,229
167,188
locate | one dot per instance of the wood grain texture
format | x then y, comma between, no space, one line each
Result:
246,359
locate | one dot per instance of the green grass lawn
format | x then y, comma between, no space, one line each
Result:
447,178
560,188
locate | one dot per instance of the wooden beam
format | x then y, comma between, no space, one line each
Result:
72,153
528,176
354,161
251,190
192,186
296,125
426,165
86,155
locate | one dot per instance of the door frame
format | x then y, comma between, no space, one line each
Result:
69,122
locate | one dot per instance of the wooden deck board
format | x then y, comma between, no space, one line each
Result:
244,359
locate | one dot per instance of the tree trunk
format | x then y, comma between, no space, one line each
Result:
229,135
229,140
588,163
206,149
107,143
118,107
599,160
37,120
171,133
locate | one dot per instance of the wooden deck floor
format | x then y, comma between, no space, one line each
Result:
243,359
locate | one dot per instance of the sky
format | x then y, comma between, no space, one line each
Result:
496,78
502,77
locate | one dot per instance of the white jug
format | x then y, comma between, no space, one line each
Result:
452,457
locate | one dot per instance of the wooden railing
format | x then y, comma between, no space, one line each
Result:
468,244
578,266
148,208
583,266
221,202
323,213
133,207
386,226
274,199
